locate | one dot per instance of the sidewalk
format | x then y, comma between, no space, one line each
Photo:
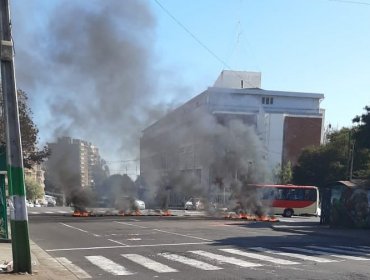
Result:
311,228
44,267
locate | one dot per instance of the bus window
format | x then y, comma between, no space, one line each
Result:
310,195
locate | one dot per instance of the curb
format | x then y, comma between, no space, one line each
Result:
47,267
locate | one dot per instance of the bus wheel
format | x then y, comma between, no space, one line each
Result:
288,213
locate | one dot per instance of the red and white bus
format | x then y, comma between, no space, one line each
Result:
288,200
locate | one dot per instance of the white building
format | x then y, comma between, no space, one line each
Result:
285,122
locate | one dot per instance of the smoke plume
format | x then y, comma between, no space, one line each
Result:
93,66
205,158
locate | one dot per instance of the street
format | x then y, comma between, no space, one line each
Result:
192,247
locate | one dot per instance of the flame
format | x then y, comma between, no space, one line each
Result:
251,217
79,213
166,213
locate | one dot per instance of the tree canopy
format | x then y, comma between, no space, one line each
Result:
346,155
34,190
29,133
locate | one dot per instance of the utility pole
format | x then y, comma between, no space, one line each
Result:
17,205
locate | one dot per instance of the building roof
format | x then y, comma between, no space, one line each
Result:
258,91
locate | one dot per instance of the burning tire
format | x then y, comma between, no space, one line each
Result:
288,213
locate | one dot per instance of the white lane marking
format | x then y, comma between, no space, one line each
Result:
34,213
183,235
258,256
149,263
223,259
293,255
340,251
108,265
134,220
188,261
129,246
79,272
115,241
79,229
129,224
319,252
62,212
49,212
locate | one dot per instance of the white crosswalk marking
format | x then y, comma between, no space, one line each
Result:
340,251
293,255
188,261
319,252
108,265
148,263
224,259
366,251
79,272
258,256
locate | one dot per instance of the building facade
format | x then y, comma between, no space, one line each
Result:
71,162
284,123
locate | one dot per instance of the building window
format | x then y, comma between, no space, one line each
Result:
267,100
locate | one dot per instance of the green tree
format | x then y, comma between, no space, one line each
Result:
29,133
362,131
33,190
361,144
284,174
321,164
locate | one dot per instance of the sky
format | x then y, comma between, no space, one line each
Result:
104,70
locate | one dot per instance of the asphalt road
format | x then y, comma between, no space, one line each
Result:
185,247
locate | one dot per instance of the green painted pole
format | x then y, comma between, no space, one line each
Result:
4,233
17,204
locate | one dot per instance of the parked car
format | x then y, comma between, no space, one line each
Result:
51,202
194,204
29,203
129,203
139,204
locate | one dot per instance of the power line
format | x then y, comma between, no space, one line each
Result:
196,38
352,2
191,34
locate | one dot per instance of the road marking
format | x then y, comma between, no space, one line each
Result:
49,212
79,272
366,251
129,224
188,261
319,252
34,213
183,235
79,229
128,246
117,242
63,212
340,251
258,256
148,263
223,259
108,265
134,220
293,255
